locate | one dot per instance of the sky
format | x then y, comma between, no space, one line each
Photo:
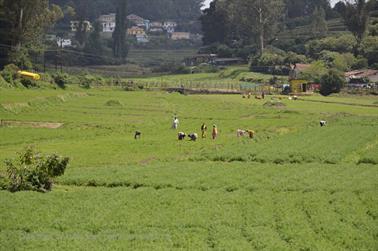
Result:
207,2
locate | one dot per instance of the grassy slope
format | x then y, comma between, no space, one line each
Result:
297,186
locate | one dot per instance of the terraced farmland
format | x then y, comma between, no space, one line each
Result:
296,186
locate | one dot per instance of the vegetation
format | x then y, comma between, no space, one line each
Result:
295,186
32,171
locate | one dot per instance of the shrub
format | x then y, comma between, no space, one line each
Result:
33,171
332,82
61,79
28,83
10,73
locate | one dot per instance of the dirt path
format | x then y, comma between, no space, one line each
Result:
14,123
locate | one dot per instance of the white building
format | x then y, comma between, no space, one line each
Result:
63,42
108,22
169,26
87,26
180,36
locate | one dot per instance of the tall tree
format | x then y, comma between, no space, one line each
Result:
319,26
28,21
356,18
214,24
120,48
261,17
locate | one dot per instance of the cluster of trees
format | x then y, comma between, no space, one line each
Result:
24,23
254,21
178,10
257,22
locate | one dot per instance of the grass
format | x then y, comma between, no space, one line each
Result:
296,186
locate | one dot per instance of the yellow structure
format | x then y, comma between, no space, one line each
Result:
298,85
31,75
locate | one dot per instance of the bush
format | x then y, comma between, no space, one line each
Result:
332,82
341,44
10,73
28,83
61,79
33,171
342,62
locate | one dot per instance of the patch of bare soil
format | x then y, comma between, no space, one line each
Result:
14,123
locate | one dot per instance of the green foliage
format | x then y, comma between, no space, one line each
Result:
120,47
341,62
332,82
315,72
370,49
33,171
61,79
319,25
231,193
341,44
9,73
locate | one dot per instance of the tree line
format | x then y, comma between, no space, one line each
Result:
257,22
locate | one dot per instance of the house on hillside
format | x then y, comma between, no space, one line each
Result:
361,78
228,61
298,85
169,26
200,59
63,42
156,27
139,21
108,22
180,35
135,30
86,26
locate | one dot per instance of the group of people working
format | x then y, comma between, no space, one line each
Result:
214,132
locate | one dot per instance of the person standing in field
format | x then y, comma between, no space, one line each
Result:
203,130
175,123
215,132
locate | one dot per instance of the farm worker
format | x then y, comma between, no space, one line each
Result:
251,133
215,132
203,130
175,123
263,95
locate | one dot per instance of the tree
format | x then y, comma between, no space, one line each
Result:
214,24
332,82
319,25
356,18
33,171
27,22
261,18
120,49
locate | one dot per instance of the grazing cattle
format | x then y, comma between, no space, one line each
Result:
240,133
257,97
251,134
137,135
323,123
181,136
193,136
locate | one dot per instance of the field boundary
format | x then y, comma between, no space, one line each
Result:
340,103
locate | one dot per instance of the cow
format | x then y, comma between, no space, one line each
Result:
193,136
181,135
240,133
323,123
137,135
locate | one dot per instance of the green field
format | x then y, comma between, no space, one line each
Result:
296,186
